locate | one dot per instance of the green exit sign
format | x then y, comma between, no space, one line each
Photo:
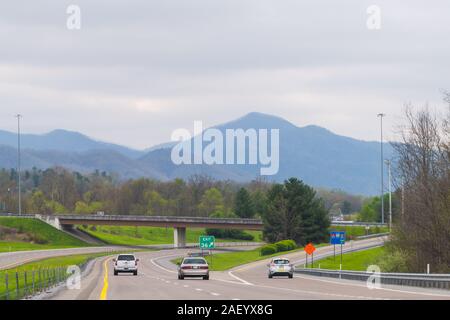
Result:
207,242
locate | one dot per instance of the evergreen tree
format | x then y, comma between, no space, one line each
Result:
243,206
294,212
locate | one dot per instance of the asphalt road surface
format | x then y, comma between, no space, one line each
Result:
16,258
157,279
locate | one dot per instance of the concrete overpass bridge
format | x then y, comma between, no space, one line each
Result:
178,223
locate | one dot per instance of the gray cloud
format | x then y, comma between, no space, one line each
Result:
139,69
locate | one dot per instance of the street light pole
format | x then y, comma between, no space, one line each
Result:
388,163
381,115
18,116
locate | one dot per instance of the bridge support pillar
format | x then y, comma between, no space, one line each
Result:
179,237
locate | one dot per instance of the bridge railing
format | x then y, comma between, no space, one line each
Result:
441,281
159,218
141,218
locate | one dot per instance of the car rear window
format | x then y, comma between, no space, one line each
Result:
126,257
194,261
281,261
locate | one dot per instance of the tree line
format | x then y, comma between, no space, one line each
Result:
294,206
421,233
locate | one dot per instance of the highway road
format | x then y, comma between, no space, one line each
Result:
16,258
157,279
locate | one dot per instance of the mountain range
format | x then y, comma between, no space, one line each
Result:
314,154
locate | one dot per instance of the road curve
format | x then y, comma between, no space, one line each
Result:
157,279
16,258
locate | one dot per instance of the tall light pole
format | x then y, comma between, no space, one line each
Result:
381,115
388,163
18,116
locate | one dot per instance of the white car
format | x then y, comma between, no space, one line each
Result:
193,267
125,263
280,267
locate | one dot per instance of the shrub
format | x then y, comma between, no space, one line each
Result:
268,249
229,234
291,244
281,246
35,238
285,245
395,261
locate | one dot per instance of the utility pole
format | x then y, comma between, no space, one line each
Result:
403,197
388,163
18,116
381,115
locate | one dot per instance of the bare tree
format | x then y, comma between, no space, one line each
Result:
423,229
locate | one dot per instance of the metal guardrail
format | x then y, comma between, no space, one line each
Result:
374,235
358,224
17,215
159,219
440,281
23,284
141,218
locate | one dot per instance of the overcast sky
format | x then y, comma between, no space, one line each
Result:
137,70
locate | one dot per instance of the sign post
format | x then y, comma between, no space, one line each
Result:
309,249
337,237
207,243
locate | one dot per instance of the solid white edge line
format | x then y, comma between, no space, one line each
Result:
375,289
161,267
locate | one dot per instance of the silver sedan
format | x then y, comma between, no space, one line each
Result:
193,267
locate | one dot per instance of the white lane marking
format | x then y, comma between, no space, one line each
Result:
239,279
161,267
235,299
261,262
215,294
363,286
324,293
186,286
198,289
175,283
233,282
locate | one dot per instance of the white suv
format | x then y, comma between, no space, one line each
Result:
125,263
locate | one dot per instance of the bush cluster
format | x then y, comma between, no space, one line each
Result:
230,234
280,246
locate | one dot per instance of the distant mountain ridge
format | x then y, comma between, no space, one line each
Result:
63,140
311,153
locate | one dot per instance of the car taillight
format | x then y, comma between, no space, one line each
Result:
186,267
204,267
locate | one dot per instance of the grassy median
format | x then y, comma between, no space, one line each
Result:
44,272
357,261
122,235
18,234
228,260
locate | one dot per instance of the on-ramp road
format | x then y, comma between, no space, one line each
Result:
157,279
